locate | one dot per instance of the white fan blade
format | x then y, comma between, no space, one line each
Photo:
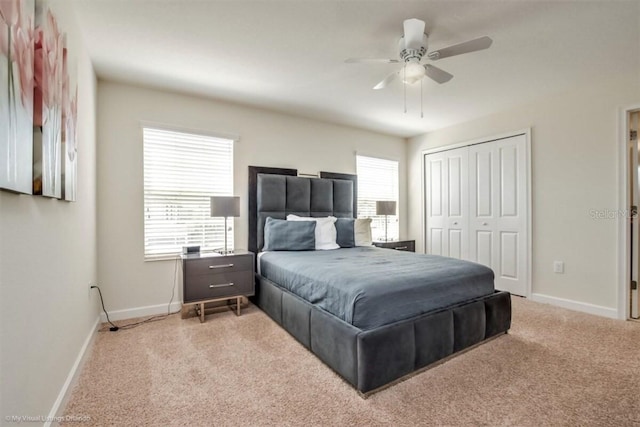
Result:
458,49
436,74
371,61
413,33
391,77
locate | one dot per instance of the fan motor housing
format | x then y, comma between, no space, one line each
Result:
408,54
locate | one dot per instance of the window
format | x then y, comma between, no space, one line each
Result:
181,172
377,180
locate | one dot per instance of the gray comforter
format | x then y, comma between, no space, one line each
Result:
369,287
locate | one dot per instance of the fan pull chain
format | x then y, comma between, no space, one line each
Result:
404,85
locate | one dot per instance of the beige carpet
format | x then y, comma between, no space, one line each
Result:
555,367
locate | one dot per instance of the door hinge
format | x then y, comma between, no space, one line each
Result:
634,285
633,135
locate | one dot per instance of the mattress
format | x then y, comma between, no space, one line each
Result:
370,287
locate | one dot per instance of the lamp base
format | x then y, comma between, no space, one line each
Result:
226,251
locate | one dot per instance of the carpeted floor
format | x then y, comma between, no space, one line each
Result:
555,368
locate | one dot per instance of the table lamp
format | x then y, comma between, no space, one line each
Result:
386,208
225,206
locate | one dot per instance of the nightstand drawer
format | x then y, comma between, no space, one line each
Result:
216,265
220,285
399,245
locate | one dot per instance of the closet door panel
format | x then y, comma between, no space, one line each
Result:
508,181
483,178
435,203
511,222
455,243
458,203
435,185
484,247
508,255
435,242
482,205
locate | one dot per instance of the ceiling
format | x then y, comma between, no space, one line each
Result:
289,56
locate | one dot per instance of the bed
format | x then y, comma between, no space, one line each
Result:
373,315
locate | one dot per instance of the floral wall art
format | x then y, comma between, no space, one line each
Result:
47,112
38,102
69,127
16,94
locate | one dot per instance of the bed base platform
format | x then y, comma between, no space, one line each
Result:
372,359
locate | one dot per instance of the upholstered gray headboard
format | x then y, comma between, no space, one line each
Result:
279,195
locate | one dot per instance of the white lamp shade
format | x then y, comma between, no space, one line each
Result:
385,207
225,206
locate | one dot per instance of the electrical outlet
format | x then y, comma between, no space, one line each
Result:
558,267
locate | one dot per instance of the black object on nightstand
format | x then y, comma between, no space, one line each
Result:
210,277
400,245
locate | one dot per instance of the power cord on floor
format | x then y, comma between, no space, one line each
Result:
115,328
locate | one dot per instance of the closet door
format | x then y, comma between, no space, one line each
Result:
482,206
435,202
498,210
447,198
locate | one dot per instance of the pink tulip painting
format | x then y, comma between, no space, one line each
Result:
8,19
16,80
69,131
48,103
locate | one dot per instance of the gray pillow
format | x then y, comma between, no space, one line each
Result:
344,229
281,235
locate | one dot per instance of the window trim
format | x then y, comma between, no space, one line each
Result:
183,129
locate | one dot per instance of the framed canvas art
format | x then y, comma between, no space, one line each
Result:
69,127
16,94
48,103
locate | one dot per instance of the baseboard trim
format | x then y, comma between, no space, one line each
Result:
75,370
584,307
149,310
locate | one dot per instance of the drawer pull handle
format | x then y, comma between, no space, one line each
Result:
222,285
399,248
220,266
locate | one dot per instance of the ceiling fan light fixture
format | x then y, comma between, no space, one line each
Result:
412,47
413,72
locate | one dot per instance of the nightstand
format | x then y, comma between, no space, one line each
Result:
211,277
400,245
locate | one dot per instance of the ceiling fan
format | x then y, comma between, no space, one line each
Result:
413,47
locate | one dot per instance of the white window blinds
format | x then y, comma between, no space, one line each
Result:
181,172
377,180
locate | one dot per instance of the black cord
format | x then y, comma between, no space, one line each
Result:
115,328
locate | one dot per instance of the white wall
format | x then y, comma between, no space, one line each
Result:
47,259
266,139
575,144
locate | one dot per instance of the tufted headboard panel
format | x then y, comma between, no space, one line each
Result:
278,195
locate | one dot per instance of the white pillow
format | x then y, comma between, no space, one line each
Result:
325,231
362,232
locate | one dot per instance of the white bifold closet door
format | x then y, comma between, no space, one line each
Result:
447,187
476,208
